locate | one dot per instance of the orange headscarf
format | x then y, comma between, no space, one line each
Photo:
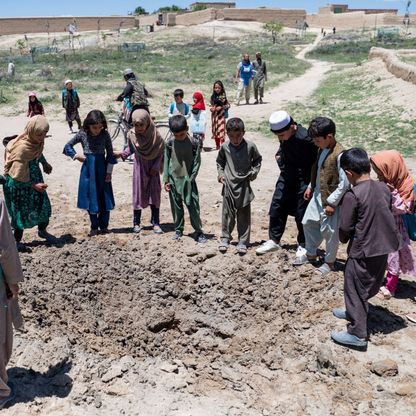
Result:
391,164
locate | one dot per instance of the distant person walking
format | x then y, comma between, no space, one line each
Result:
71,103
244,76
260,77
11,69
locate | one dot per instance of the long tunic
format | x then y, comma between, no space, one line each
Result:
94,193
146,188
27,207
239,166
10,273
181,166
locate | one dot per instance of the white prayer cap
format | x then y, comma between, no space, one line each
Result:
68,81
279,121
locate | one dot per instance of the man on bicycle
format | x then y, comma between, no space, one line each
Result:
134,95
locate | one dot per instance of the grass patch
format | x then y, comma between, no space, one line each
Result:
165,64
346,50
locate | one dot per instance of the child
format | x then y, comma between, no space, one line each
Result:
178,106
95,193
10,276
328,186
391,169
198,117
238,163
181,166
147,146
71,103
295,158
35,107
24,189
367,223
219,113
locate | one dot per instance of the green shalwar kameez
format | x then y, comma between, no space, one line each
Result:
181,165
27,207
239,166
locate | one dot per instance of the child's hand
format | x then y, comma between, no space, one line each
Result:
167,187
329,211
80,158
47,168
117,153
108,177
40,187
221,179
307,196
154,172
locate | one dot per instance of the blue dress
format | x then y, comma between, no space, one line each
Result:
94,194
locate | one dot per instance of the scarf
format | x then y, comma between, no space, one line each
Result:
24,148
200,104
391,164
150,144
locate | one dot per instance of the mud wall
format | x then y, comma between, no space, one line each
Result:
196,18
290,18
394,65
353,20
23,25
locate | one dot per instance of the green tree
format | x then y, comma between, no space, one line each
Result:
140,10
21,45
172,8
199,7
274,28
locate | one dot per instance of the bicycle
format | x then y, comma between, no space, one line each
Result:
115,126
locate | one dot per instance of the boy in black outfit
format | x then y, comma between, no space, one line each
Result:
366,221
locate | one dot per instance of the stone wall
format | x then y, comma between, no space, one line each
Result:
290,18
394,65
12,26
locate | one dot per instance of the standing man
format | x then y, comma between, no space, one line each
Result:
295,158
134,95
243,76
260,78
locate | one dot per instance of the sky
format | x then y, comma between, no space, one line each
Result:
15,8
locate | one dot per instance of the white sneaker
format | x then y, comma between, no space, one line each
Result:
269,245
301,251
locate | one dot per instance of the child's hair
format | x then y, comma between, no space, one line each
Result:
94,117
221,85
355,160
178,93
178,123
235,124
321,127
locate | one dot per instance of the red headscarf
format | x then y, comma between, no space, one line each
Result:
199,105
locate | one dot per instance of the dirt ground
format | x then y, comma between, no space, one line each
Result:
139,325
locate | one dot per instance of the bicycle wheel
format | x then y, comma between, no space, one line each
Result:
113,128
164,130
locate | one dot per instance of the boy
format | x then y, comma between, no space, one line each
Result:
181,166
366,221
10,276
328,186
71,103
295,158
179,107
238,163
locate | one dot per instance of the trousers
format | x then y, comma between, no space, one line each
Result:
243,217
178,213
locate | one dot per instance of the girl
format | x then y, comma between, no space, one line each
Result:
147,145
198,117
24,188
35,106
95,193
219,113
391,169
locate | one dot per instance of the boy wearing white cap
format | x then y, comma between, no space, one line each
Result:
328,185
295,158
71,103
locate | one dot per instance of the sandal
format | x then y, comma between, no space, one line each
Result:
223,246
325,269
384,293
411,317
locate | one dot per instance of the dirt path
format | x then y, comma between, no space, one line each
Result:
122,324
